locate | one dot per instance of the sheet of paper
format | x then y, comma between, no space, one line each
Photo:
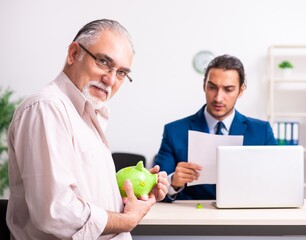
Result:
202,150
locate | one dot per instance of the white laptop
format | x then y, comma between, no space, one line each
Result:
260,176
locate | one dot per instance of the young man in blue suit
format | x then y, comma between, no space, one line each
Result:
224,83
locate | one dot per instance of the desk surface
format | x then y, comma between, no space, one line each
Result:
187,213
182,217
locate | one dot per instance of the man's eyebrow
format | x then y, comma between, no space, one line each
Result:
230,86
226,86
211,83
106,57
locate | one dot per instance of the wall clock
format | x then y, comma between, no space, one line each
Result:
201,60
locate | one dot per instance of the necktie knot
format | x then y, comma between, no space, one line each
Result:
220,126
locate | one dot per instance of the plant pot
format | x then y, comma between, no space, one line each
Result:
286,73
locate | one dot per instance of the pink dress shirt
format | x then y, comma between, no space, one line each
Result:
62,176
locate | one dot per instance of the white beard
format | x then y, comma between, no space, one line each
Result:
96,103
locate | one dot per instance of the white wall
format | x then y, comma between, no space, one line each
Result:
35,35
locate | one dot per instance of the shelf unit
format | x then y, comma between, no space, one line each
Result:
287,94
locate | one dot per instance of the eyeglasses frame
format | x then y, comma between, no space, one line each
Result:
110,69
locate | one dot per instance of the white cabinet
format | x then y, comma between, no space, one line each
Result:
287,91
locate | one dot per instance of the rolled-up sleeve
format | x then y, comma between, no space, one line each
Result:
92,228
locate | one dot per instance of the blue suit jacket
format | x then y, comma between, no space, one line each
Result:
174,146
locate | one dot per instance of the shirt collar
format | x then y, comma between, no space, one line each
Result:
211,121
76,97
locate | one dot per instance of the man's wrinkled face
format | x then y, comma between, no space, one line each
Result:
97,84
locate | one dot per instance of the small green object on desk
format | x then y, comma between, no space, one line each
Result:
199,206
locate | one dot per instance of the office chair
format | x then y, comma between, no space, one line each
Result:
122,159
4,231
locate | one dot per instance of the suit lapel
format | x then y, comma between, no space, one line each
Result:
198,122
238,126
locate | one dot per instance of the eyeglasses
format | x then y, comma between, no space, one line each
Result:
106,65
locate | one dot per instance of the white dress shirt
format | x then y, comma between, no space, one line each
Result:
62,176
212,122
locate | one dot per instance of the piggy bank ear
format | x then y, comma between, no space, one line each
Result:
139,166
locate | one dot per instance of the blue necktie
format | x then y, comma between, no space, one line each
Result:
220,126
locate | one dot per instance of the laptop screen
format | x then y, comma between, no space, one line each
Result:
260,176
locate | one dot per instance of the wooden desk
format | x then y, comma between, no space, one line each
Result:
184,218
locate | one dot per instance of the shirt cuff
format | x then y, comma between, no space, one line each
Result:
171,190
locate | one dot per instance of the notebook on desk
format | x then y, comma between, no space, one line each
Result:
260,176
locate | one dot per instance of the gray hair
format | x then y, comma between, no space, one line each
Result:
92,30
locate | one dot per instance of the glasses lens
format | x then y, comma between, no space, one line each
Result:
102,63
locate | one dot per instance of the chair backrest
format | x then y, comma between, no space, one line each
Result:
4,231
122,159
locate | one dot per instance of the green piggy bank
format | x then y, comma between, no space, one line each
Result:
143,181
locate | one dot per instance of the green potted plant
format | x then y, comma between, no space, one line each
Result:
286,68
285,64
7,108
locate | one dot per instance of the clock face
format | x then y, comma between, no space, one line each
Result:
201,60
